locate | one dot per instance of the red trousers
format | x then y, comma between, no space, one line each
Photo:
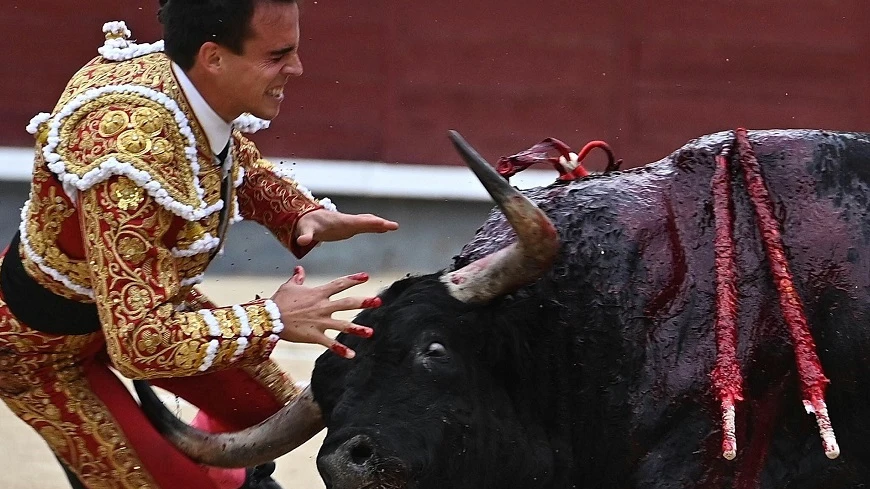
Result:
63,388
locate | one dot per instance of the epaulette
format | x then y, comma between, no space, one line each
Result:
119,47
127,130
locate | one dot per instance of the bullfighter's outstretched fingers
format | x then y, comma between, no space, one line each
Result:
357,330
298,277
351,303
343,283
340,349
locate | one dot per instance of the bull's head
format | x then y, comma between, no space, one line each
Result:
430,402
426,394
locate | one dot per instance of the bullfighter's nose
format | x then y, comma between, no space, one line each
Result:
350,465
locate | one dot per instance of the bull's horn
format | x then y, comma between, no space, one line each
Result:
290,427
520,263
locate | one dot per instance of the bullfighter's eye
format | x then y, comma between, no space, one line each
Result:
436,349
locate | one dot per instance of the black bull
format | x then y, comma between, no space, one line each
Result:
598,374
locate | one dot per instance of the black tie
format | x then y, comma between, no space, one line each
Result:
222,156
225,195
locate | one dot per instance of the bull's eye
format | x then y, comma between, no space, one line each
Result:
436,349
433,357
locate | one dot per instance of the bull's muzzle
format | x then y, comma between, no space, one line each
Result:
358,463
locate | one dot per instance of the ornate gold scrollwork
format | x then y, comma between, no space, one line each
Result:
134,142
113,123
148,121
162,150
127,194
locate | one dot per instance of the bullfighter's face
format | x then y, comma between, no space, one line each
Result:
254,80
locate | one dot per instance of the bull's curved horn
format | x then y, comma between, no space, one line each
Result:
290,427
520,263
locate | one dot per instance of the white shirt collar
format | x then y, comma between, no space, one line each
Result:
217,130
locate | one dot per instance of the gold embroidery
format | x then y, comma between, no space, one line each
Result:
136,280
189,356
192,266
132,249
264,164
211,180
84,146
259,320
134,143
270,199
144,337
162,150
48,209
127,194
49,283
148,121
83,149
192,325
229,323
225,352
164,311
149,340
270,376
152,71
194,300
113,123
191,233
42,136
51,395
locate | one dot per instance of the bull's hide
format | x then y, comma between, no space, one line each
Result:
598,374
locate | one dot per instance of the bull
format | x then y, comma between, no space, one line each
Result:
631,332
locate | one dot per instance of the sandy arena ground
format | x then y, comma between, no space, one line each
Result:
27,463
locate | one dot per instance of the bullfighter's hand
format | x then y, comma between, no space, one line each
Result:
307,311
324,225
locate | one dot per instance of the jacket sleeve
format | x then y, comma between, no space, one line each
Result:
137,291
273,199
196,300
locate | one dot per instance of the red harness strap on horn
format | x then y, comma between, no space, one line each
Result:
726,375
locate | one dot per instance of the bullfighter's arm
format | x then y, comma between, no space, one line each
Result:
273,199
136,289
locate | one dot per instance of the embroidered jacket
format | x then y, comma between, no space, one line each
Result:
125,211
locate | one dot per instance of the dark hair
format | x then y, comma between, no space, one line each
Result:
188,24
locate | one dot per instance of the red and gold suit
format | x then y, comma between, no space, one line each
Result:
128,206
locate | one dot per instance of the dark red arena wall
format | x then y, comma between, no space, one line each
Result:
385,79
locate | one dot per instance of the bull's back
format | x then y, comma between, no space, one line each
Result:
637,267
649,241
818,184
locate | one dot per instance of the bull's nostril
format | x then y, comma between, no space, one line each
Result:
361,453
